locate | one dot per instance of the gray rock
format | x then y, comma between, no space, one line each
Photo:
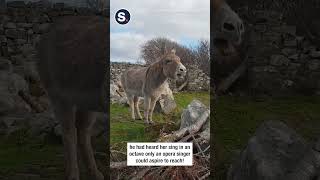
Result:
10,25
30,32
290,43
20,41
24,25
19,19
41,28
275,152
44,27
288,83
294,57
9,121
288,51
166,103
16,4
192,113
41,123
3,39
259,69
289,29
279,60
17,59
17,83
117,95
15,34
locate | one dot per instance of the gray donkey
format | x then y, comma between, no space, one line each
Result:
150,82
72,66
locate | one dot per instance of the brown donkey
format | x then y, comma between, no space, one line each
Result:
150,82
72,66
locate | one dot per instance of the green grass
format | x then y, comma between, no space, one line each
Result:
237,118
123,129
22,153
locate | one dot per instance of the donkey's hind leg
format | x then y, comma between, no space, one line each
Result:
84,121
136,106
66,115
131,104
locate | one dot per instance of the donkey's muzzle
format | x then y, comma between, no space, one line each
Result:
181,71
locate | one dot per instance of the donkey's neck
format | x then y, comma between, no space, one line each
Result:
155,76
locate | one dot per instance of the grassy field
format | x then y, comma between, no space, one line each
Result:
26,157
123,129
237,118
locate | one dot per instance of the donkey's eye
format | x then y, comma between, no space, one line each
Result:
168,61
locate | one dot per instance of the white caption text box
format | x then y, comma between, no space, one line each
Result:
159,154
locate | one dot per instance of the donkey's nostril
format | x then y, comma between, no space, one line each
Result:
228,26
181,69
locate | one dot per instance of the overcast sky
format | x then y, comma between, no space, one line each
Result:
185,22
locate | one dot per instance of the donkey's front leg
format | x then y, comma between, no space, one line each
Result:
66,115
131,104
151,109
85,121
136,106
146,109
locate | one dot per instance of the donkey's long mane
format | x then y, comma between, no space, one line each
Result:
155,69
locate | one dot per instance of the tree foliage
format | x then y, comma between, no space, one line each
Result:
200,55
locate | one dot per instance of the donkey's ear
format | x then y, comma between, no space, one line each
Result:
216,4
164,49
173,51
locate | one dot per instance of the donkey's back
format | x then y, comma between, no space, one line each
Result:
73,57
132,81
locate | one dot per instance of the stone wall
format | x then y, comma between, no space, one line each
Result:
197,79
23,102
279,60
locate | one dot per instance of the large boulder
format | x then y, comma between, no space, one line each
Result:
276,152
117,94
191,115
10,85
166,104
